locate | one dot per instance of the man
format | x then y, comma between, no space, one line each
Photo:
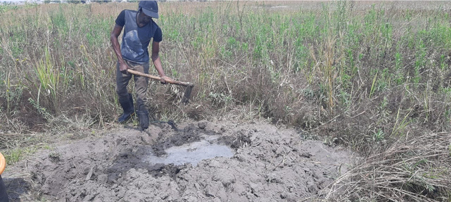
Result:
139,29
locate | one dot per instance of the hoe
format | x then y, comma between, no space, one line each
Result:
188,89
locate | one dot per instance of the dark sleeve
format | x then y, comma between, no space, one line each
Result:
158,36
120,20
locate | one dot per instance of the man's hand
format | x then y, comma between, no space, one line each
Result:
165,79
123,68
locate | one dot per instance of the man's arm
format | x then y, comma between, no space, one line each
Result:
157,62
117,49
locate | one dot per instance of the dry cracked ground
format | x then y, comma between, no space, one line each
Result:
197,161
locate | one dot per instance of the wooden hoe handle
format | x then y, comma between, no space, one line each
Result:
158,78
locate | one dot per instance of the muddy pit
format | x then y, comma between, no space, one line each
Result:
200,161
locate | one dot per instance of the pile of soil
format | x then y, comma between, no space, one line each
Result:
268,164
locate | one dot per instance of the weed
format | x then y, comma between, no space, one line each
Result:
41,110
15,155
48,77
378,136
381,70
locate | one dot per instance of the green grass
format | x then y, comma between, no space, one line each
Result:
62,54
374,75
15,155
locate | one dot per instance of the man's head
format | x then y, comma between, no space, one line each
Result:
149,8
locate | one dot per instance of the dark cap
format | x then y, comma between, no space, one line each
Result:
150,8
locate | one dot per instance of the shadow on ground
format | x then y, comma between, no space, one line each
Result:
15,188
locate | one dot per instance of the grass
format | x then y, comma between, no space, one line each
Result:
413,170
364,75
17,154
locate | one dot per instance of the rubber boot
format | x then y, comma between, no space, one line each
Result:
127,106
143,116
3,195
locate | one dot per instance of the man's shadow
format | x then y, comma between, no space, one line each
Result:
15,187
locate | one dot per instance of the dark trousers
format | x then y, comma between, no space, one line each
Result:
141,83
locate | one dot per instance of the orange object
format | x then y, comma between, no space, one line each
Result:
2,163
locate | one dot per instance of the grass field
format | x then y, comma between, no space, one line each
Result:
373,76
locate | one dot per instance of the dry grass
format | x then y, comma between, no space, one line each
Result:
417,169
360,74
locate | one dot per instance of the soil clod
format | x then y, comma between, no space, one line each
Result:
248,162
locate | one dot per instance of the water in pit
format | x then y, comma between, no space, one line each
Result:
192,153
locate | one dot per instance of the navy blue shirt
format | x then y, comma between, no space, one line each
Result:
135,39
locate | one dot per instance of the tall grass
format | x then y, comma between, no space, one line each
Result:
360,74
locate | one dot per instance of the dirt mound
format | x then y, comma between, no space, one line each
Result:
266,164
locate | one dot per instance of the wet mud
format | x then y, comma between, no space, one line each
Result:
234,162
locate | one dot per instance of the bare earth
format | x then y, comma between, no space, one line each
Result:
255,162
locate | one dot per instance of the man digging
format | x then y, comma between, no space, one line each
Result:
139,29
